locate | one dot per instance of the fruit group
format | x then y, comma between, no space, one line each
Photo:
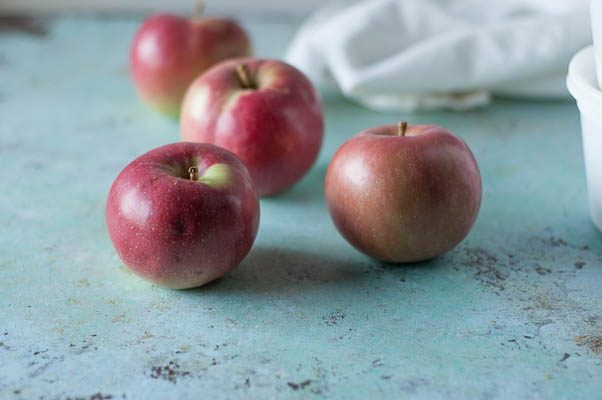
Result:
169,51
265,111
404,193
183,214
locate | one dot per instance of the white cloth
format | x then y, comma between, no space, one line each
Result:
403,55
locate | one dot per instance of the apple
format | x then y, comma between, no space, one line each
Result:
169,51
183,214
404,193
264,111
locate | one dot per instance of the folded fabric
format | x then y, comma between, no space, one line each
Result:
404,55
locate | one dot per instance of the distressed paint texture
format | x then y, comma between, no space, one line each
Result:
514,312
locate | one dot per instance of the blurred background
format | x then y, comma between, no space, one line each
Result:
233,7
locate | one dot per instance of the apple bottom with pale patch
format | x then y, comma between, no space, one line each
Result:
183,214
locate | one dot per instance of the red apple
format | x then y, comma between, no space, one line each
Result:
183,214
264,111
404,193
169,51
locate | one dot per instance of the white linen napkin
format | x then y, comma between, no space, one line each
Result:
403,55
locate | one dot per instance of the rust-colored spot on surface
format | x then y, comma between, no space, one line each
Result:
593,343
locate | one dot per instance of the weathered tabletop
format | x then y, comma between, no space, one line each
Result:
514,311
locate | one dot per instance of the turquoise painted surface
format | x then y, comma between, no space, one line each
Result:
514,312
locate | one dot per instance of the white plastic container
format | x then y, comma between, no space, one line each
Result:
583,85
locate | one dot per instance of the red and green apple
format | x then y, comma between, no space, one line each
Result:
183,214
170,51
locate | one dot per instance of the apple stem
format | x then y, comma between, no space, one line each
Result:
199,9
403,125
243,76
194,173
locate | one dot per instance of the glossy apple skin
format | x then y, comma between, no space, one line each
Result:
405,198
177,232
276,128
169,51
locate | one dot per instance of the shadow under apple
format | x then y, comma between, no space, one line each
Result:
310,189
270,270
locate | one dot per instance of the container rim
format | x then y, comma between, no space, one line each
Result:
581,80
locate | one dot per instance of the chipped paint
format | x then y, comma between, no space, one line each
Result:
23,25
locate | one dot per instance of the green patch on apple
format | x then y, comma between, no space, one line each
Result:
217,176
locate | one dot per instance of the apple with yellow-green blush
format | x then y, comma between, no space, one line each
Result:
183,214
170,51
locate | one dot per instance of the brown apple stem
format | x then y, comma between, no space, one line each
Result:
243,77
194,173
401,131
199,9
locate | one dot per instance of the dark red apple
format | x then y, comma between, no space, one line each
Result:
404,193
169,51
264,111
183,214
